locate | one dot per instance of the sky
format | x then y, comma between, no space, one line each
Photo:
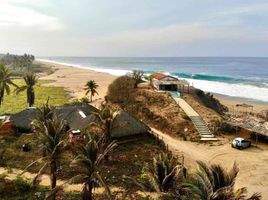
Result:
132,28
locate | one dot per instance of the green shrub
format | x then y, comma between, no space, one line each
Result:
22,185
84,100
211,102
137,75
120,89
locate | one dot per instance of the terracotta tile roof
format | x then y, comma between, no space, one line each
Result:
158,76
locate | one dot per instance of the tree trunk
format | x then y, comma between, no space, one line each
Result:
30,96
87,191
91,97
53,177
1,96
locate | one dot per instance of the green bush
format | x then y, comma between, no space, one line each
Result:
84,100
120,89
22,185
211,102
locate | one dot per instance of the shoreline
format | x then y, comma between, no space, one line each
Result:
73,79
231,101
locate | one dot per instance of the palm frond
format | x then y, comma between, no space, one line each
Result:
36,180
20,89
30,165
107,190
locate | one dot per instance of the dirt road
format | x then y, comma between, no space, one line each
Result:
253,162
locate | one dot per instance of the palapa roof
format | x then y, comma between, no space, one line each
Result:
127,125
23,119
250,123
244,105
76,116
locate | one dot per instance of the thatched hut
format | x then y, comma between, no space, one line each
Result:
22,120
127,126
76,116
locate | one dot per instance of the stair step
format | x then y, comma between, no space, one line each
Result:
209,139
207,136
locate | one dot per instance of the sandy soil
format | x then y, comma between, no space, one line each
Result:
74,79
252,162
230,102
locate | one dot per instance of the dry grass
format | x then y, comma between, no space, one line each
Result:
127,159
158,110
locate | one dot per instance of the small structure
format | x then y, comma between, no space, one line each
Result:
244,107
128,126
78,117
6,126
169,83
75,116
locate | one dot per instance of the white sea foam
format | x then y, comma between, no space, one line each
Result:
115,72
235,90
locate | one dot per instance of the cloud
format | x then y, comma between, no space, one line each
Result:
247,9
174,34
12,15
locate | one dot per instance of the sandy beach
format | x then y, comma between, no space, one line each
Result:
230,102
73,80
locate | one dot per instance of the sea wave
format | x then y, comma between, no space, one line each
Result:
232,89
115,72
226,79
216,84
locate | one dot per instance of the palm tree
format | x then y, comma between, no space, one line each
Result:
30,81
105,124
215,183
164,172
51,133
89,158
5,82
91,87
165,177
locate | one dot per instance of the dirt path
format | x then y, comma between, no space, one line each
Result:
253,162
11,174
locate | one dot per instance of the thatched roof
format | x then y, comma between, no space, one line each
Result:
23,119
250,123
127,126
76,116
244,105
79,116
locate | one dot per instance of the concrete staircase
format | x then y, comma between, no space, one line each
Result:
197,120
202,129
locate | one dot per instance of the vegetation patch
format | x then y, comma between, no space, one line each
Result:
210,101
158,110
15,103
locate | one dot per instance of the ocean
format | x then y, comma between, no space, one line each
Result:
244,77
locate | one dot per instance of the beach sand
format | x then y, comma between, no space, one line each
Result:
251,161
73,79
231,102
